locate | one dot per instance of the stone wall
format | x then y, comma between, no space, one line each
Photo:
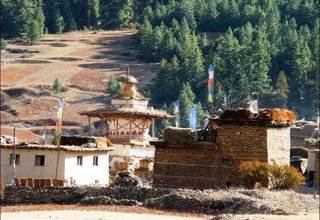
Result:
316,181
279,145
299,134
209,165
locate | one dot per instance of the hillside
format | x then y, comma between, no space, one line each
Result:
83,61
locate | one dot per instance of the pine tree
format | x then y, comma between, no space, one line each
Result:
114,87
58,25
57,85
282,85
186,99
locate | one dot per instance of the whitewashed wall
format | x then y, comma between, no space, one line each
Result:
87,173
278,141
27,168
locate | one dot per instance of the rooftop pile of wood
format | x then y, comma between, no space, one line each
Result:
173,135
269,115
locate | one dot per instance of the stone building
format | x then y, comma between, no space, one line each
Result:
76,165
181,160
128,120
316,180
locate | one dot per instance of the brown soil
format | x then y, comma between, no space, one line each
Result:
82,61
125,209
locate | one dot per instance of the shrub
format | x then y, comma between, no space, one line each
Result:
285,177
251,172
3,43
57,85
281,177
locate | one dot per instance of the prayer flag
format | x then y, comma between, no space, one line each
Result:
253,106
211,83
177,113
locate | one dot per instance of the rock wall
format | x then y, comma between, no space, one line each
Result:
299,134
208,202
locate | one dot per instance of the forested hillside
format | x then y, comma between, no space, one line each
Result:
269,47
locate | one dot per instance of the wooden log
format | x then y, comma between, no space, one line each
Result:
60,182
23,182
55,182
42,182
36,182
30,182
48,182
17,181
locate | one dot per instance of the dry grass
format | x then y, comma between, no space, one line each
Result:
39,110
125,209
92,80
10,75
22,135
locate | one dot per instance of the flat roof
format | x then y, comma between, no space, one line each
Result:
55,148
111,110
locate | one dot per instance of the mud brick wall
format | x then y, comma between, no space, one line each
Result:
210,165
316,181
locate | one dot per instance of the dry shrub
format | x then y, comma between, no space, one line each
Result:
237,114
254,171
281,177
276,114
285,177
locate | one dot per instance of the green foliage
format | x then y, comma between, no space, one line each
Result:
282,85
57,85
114,87
186,99
3,43
284,177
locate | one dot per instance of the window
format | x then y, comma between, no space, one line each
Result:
95,160
226,161
39,160
17,159
79,160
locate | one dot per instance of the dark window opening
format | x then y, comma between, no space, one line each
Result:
228,184
79,160
17,162
95,160
39,160
226,161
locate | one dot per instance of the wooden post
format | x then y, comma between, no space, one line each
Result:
130,127
89,126
166,122
153,129
101,126
117,127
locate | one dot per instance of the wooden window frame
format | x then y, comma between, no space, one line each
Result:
79,160
39,160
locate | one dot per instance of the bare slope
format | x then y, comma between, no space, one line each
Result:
83,61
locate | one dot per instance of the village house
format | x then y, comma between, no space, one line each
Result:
128,120
183,160
77,165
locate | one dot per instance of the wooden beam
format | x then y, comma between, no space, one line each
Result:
117,127
89,126
130,127
153,129
101,126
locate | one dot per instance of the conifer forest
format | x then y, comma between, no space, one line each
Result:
264,47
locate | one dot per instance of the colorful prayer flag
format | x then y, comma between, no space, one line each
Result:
211,83
193,118
177,113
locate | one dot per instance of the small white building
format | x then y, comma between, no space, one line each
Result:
77,165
